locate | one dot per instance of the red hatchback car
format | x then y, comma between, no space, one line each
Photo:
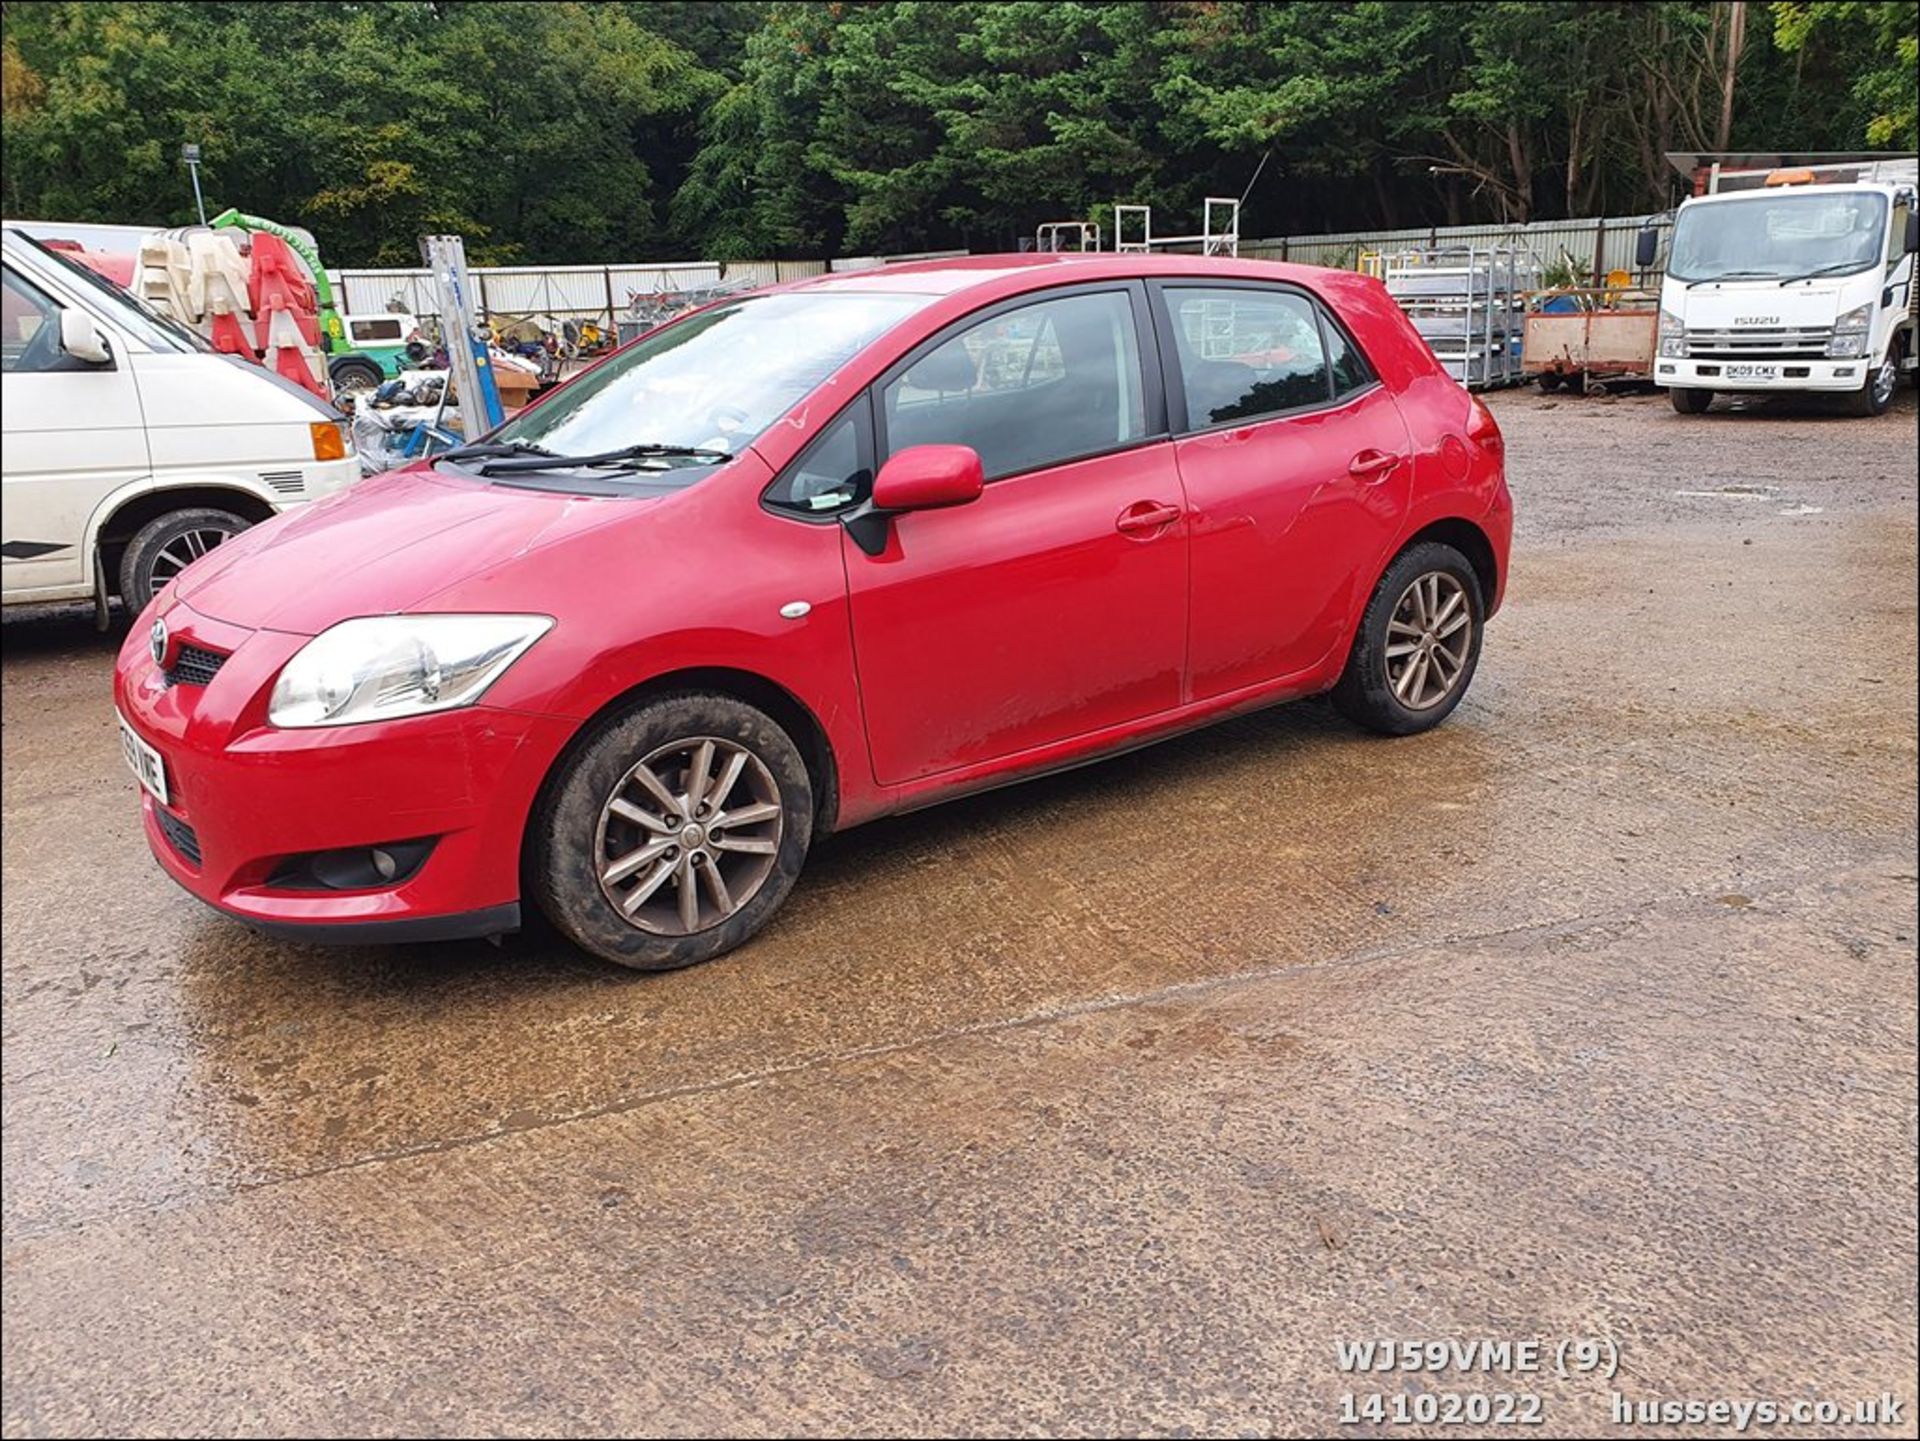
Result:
805,558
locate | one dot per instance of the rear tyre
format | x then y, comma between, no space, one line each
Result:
165,546
1418,643
1690,402
1876,393
673,833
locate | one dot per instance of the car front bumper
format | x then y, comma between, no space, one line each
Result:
247,800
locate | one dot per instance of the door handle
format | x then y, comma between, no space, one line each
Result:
1373,465
1146,515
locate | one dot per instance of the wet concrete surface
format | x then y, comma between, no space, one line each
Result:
1107,1103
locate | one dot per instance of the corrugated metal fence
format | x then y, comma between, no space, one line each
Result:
553,293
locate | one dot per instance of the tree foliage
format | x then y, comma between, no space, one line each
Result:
581,132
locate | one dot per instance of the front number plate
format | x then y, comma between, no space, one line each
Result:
1752,372
143,760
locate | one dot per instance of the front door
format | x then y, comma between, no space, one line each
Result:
1054,605
73,434
1297,469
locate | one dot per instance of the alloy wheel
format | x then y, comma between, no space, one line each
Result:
1428,640
688,836
182,551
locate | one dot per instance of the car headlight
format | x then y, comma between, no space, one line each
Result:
1857,318
1673,336
388,666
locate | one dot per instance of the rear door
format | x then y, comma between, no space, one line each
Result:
1054,605
73,434
1297,471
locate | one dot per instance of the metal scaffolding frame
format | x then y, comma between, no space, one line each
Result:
1469,304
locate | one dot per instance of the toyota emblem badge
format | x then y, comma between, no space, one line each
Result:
157,643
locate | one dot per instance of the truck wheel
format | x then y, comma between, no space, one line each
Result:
1876,392
355,372
1690,402
167,545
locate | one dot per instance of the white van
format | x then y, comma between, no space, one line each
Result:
131,446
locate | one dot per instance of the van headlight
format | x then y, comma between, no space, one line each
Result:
1850,333
388,666
1673,337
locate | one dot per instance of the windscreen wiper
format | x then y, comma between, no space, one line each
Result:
1833,269
626,457
492,450
1733,275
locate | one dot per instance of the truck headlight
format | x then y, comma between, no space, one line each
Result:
1850,333
388,666
1673,336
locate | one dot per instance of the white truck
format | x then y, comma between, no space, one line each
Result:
1791,279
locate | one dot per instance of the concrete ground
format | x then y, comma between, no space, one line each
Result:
1108,1103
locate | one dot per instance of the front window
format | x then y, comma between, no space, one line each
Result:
713,381
31,338
155,331
1027,388
1779,236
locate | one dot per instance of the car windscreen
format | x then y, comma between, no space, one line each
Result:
154,330
1779,235
711,382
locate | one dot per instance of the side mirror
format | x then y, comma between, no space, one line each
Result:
1913,231
80,339
928,477
921,477
1646,246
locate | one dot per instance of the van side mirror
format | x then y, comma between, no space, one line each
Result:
80,339
1646,246
921,477
1913,231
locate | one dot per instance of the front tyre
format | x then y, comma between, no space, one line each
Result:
1876,393
673,833
1690,402
1418,643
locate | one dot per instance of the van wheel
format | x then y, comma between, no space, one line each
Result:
1690,402
1418,643
1876,393
165,546
673,833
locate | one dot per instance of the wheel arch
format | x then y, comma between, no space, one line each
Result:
122,517
792,714
1467,538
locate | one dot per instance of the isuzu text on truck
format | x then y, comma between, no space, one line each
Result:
1791,280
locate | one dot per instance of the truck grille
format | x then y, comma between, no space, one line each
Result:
194,666
179,834
1777,343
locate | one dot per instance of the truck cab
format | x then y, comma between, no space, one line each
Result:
1790,280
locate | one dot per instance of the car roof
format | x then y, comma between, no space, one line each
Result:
1013,273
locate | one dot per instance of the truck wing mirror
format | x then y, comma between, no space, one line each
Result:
1646,245
1913,231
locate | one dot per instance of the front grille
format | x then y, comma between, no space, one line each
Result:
179,834
1775,343
195,666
